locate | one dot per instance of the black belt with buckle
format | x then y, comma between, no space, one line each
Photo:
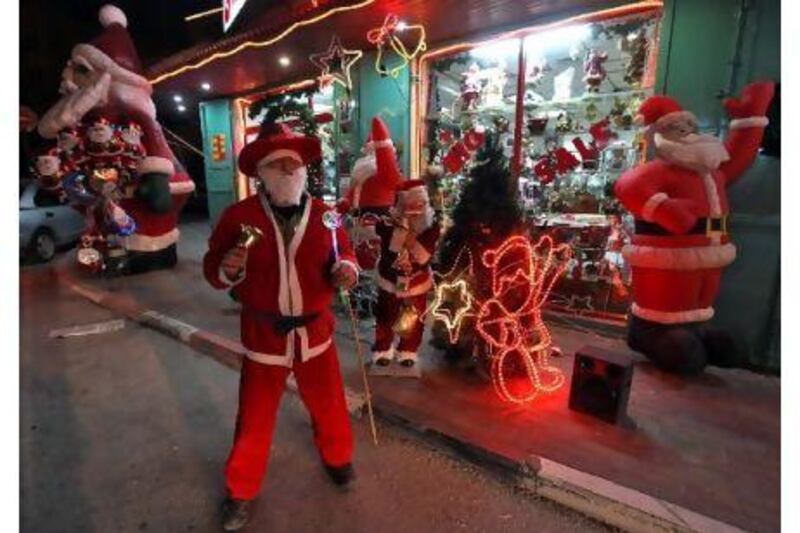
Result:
704,226
283,324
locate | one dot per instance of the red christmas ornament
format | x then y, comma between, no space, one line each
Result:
474,139
456,157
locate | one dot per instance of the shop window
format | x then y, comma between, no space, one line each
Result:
583,84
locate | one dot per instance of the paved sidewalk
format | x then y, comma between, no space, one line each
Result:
705,454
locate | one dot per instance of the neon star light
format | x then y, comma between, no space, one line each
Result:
387,35
336,55
510,321
452,318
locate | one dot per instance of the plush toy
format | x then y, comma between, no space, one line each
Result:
681,242
594,71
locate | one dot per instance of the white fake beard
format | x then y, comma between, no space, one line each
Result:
698,152
364,168
71,108
284,189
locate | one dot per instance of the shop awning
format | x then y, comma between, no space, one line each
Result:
248,61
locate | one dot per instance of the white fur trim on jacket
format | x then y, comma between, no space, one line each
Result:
112,15
749,122
406,356
690,258
146,243
347,262
290,294
651,204
181,187
673,317
99,60
386,143
154,163
390,287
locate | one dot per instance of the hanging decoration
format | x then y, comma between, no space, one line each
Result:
637,45
335,64
594,71
510,321
388,36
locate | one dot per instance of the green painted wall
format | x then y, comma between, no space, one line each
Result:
215,118
388,98
698,65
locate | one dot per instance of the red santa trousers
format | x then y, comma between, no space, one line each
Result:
386,312
261,387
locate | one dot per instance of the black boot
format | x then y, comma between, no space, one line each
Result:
673,348
235,514
341,476
723,351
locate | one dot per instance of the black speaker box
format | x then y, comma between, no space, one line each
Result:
601,384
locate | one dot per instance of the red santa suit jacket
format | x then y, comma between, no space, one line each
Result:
280,278
419,277
674,198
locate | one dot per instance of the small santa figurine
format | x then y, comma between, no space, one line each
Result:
70,146
48,169
284,265
101,139
594,71
681,243
408,242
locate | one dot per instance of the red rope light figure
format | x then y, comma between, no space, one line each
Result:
510,321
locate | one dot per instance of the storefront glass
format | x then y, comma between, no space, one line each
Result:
583,83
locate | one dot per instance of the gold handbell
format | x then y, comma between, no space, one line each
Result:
249,237
406,320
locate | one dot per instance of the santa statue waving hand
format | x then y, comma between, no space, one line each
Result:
285,272
681,243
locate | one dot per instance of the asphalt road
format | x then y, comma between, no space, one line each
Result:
128,431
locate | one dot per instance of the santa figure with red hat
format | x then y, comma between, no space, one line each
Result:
104,81
370,196
408,241
285,278
681,243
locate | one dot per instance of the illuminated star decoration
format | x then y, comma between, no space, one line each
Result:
386,35
452,316
335,64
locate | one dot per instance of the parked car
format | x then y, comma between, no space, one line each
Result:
46,226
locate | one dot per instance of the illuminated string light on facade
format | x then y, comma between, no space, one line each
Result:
328,60
284,61
386,36
452,317
259,44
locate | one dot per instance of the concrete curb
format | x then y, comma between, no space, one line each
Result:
593,496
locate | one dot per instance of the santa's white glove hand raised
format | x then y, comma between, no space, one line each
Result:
344,275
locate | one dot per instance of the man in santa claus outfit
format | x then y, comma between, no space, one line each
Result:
286,283
105,78
408,241
681,242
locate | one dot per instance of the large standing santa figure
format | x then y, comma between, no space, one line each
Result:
681,242
104,78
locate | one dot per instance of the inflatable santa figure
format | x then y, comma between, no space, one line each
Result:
408,242
374,178
104,81
681,242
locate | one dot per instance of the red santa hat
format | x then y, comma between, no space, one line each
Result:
659,111
276,140
113,50
379,190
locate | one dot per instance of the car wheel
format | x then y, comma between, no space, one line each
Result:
43,245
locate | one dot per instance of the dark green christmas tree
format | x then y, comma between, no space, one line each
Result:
488,212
